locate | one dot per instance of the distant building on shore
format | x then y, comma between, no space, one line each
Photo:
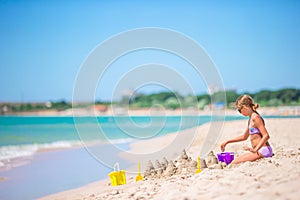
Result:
4,109
100,108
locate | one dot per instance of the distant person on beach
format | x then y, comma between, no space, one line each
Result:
256,129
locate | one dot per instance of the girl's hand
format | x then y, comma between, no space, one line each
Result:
246,148
223,146
249,149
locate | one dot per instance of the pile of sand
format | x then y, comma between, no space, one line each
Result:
268,178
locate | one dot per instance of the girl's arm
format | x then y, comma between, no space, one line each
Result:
237,139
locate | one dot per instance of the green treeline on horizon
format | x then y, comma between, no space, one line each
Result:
170,100
283,97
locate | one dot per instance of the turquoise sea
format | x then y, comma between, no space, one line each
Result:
22,138
41,130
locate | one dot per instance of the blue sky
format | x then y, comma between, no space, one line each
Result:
254,44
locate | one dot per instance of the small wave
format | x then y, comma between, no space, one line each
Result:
122,141
10,152
58,144
108,142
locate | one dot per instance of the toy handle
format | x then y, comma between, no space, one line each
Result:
199,163
139,168
116,167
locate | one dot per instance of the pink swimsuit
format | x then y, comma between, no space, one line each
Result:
266,151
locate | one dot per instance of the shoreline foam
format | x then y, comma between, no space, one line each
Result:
12,156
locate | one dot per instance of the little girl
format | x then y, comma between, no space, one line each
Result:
259,135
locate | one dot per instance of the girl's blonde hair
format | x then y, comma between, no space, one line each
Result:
246,100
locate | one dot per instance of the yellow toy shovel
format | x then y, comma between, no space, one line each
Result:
198,166
139,176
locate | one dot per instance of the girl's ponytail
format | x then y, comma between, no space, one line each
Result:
255,106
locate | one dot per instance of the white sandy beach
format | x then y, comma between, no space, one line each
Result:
269,178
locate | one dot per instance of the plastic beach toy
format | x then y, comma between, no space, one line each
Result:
117,177
139,176
226,157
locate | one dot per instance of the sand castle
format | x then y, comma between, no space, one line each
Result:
212,162
211,159
183,165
